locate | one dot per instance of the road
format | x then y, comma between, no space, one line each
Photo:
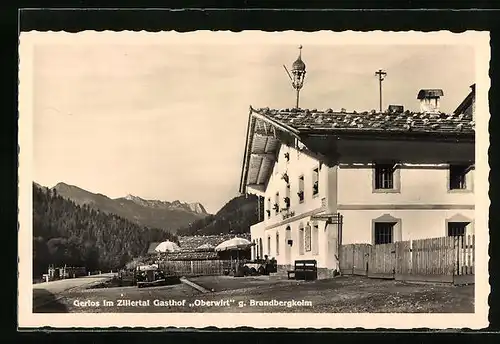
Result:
233,295
48,292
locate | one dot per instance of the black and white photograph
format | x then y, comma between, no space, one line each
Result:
165,176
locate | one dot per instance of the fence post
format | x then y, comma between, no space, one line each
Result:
473,253
410,257
469,254
352,261
463,252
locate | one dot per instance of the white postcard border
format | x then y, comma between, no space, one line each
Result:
477,320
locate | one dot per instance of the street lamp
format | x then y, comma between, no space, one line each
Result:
298,75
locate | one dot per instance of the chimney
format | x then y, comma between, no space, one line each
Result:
429,100
396,109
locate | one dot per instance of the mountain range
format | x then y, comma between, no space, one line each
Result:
151,213
235,217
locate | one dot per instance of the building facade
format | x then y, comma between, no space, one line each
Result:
328,178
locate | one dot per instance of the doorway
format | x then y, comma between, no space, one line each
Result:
288,246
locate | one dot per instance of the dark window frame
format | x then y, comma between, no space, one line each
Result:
277,243
300,193
383,233
384,176
315,231
457,229
458,176
277,204
315,185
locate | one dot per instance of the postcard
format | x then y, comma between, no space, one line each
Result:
168,176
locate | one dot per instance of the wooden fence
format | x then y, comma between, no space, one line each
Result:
194,267
446,259
353,259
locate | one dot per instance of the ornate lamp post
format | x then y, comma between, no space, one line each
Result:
298,75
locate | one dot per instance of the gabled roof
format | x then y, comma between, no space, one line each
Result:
269,128
467,102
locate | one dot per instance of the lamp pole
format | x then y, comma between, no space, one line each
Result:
297,99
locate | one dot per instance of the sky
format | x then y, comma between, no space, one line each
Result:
168,122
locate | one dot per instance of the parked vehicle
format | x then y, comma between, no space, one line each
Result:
151,275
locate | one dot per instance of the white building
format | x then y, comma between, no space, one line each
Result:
327,178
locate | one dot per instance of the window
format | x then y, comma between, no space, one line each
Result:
384,176
315,239
277,203
307,239
458,174
268,208
301,189
287,196
287,202
261,207
268,245
288,237
261,249
315,181
384,232
457,228
301,241
277,244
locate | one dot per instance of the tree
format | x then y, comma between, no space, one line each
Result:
69,234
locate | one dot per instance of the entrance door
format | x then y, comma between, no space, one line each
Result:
288,247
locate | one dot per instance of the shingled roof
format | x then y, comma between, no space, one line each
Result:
329,121
191,243
188,255
189,247
269,128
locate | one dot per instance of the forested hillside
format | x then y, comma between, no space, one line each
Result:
66,233
235,217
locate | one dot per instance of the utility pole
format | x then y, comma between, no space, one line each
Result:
381,76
